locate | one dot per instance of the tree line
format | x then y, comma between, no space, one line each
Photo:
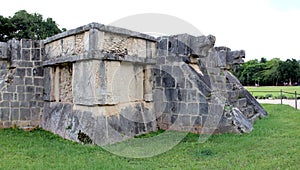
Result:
27,26
265,72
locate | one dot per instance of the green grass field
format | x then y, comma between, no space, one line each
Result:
269,91
274,144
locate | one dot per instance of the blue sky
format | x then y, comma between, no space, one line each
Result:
263,28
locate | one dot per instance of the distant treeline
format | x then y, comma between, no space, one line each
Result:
265,72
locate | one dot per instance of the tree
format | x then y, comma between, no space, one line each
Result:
289,71
271,73
6,28
28,26
251,72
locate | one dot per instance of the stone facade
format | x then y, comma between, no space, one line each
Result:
102,84
21,83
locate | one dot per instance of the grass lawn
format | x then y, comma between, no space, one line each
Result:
274,144
269,91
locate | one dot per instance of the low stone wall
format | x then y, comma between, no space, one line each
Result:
21,83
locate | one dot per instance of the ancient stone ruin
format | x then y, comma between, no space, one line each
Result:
102,84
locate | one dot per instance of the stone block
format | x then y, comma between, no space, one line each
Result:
201,98
183,44
35,114
242,102
32,103
174,119
3,50
171,94
40,104
38,81
178,73
196,121
191,95
222,59
11,88
15,104
36,43
26,64
39,97
24,104
182,95
20,89
28,81
203,108
132,78
86,84
26,43
183,109
14,50
28,71
29,89
47,84
38,71
29,96
100,134
129,127
26,54
184,120
20,72
38,63
8,96
166,71
188,84
35,55
21,96
114,123
25,114
158,81
168,82
15,114
159,106
5,104
161,60
4,114
39,90
173,45
173,107
162,46
193,108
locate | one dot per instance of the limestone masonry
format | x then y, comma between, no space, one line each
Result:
102,84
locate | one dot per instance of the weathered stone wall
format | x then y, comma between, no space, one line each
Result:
21,83
183,82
